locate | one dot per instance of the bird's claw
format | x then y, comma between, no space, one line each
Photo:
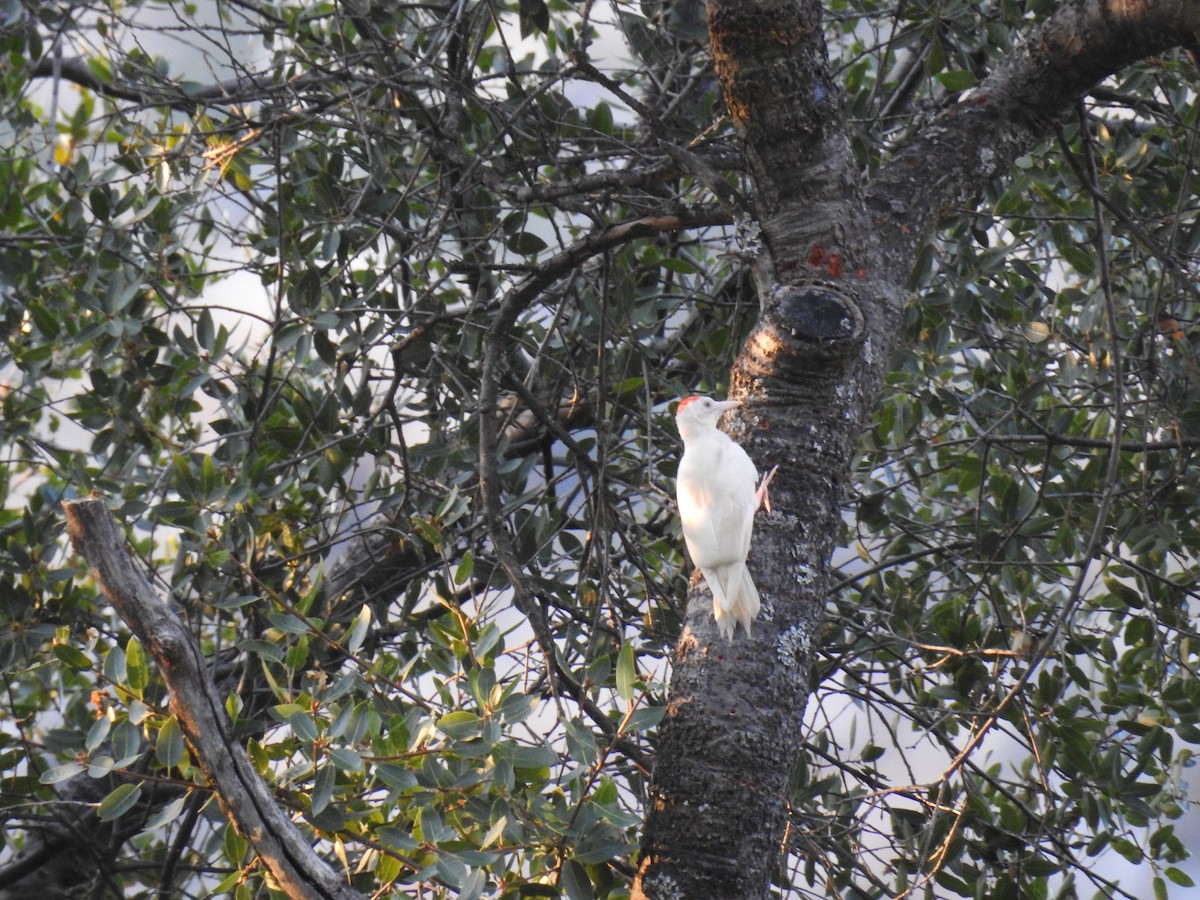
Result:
762,495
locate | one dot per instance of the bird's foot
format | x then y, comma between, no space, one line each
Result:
762,495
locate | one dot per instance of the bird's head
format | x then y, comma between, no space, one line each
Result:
700,412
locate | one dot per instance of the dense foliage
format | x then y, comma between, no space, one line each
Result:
365,319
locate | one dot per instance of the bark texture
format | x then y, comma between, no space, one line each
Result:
831,282
200,712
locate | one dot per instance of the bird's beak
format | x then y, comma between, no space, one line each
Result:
726,405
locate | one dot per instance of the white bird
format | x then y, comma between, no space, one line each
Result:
717,499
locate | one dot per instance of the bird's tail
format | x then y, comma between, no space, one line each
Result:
735,598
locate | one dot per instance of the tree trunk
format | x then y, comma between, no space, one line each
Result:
838,253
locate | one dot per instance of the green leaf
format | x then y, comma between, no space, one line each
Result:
322,792
395,776
534,15
114,666
462,574
575,882
166,815
46,322
126,742
61,773
346,759
450,869
169,747
119,802
596,848
231,883
645,718
472,888
600,117
264,649
581,742
958,80
388,869
516,708
1179,877
135,665
97,734
626,672
359,630
533,757
234,846
495,832
490,637
460,724
526,243
678,264
398,838
208,477
297,654
72,657
1080,258
138,713
288,623
303,726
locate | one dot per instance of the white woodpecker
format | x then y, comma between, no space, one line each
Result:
718,497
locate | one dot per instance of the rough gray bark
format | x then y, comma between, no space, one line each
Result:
200,712
838,253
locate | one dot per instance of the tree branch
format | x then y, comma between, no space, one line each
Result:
201,714
71,848
244,88
1016,106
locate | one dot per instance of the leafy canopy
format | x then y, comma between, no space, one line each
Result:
252,261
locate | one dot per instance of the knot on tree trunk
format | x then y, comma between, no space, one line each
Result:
810,328
817,312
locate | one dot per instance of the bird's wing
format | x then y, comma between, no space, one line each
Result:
738,469
716,506
742,478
